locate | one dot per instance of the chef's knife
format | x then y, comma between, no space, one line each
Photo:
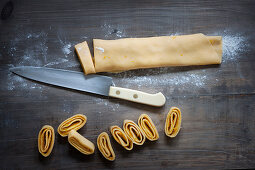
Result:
98,84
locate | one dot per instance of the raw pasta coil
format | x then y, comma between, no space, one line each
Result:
134,132
73,123
173,122
120,137
105,147
148,127
46,138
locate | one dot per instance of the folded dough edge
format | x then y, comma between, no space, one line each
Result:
84,55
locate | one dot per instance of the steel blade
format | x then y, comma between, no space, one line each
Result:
69,79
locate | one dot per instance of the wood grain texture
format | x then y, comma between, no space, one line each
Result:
217,102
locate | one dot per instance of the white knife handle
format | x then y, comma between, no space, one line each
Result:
157,99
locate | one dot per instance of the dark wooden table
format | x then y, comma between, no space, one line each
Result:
217,102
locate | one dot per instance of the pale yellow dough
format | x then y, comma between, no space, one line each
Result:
46,138
73,123
105,147
148,127
120,136
80,143
134,132
85,57
173,122
134,53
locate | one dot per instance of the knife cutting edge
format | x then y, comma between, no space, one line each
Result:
97,84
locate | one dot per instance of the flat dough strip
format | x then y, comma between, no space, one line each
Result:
46,138
120,137
173,122
73,123
105,147
85,57
148,127
81,143
133,131
134,53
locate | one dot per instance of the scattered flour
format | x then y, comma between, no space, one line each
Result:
29,36
114,31
176,79
34,55
84,37
66,49
120,34
107,103
37,54
68,107
59,61
164,77
65,45
100,48
174,34
233,45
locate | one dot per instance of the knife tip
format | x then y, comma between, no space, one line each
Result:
12,69
15,69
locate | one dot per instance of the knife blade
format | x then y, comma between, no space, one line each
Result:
97,84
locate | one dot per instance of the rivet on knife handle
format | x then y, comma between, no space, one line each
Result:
157,99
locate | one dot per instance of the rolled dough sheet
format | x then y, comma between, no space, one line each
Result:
46,140
105,147
173,122
73,123
148,127
134,132
135,53
120,136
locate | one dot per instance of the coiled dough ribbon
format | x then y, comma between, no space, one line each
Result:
173,122
80,143
134,132
120,137
73,123
148,127
105,147
46,140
